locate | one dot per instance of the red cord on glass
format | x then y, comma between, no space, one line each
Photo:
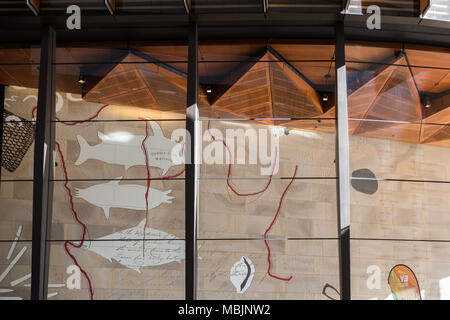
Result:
256,193
72,208
229,170
75,122
147,167
270,226
75,215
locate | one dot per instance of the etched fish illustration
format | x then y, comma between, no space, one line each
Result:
241,274
128,196
164,249
126,150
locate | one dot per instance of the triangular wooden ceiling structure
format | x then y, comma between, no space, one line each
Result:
140,82
267,88
388,97
437,128
384,102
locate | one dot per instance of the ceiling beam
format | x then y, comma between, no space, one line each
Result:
111,6
290,66
150,59
222,85
34,6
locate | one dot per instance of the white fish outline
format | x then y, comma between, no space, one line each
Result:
127,196
241,274
129,153
125,247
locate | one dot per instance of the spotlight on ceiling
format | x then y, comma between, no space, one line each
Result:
324,97
208,90
427,102
81,79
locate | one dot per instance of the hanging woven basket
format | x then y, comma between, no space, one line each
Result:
18,135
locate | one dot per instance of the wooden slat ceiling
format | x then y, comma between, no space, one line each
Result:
135,82
256,81
269,90
138,84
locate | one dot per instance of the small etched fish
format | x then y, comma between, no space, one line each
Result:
126,247
126,150
241,274
128,196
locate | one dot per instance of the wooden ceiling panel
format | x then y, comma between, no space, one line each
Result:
432,80
319,73
306,51
292,97
85,52
270,90
398,100
168,95
218,59
123,86
406,132
20,75
437,125
363,98
174,54
10,54
146,85
441,133
231,51
428,56
369,52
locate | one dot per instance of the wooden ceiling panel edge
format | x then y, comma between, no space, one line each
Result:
438,102
367,80
312,94
234,77
358,129
94,74
432,121
371,72
269,76
374,98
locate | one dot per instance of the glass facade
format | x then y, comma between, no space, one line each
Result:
267,145
398,162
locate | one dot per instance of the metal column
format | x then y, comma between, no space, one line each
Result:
2,109
342,164
44,146
192,166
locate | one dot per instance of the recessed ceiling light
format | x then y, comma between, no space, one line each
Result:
81,79
427,102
